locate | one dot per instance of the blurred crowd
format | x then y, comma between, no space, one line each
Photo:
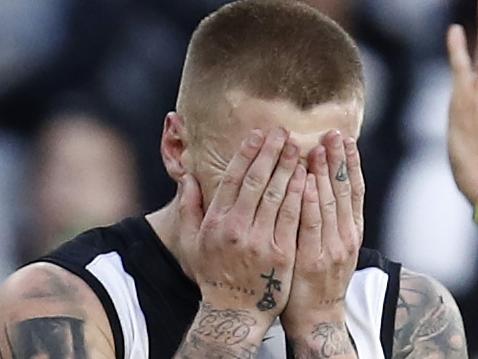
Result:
84,87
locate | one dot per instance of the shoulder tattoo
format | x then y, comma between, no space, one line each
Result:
428,322
55,337
47,334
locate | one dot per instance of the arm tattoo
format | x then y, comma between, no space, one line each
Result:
342,174
219,334
268,302
329,340
428,322
55,338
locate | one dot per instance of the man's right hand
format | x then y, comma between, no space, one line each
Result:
242,251
463,124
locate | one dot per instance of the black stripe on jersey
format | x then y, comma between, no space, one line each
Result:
390,308
102,295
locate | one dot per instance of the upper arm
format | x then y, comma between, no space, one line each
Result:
428,323
45,311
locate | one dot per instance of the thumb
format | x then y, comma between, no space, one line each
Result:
190,204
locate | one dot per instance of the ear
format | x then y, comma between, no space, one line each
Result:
173,145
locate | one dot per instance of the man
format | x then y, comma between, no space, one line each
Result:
463,126
266,225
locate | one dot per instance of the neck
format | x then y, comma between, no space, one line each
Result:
165,223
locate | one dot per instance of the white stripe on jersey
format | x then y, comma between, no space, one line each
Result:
108,269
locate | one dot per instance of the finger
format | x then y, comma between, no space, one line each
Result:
460,60
310,239
475,55
357,182
276,189
190,205
259,174
227,192
340,181
327,203
289,214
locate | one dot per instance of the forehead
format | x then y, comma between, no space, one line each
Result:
246,113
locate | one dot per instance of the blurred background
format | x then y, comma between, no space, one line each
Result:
85,85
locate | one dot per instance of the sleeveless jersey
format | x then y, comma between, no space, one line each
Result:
150,303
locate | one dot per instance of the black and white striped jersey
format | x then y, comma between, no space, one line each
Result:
150,303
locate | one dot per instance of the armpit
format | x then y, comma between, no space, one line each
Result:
428,322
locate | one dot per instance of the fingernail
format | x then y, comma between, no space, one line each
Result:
349,145
255,139
290,150
280,134
337,140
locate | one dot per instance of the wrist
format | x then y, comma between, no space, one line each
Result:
229,325
243,304
328,338
303,325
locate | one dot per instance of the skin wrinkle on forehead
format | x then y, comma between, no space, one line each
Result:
243,113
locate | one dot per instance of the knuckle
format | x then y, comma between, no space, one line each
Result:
339,258
345,192
254,181
281,259
329,207
359,190
230,179
254,251
233,233
211,222
349,239
247,153
273,195
313,225
289,214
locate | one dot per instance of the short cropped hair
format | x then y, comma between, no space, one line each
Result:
271,49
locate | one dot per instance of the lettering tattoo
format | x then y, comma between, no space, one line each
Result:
328,340
428,322
226,326
342,174
236,289
219,334
333,338
55,338
268,302
326,302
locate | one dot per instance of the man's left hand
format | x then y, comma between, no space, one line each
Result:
329,239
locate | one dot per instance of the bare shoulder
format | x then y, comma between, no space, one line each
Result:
428,322
46,311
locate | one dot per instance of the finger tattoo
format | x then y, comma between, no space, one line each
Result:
342,174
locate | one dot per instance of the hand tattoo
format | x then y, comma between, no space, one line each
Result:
268,302
219,334
342,174
55,337
428,322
